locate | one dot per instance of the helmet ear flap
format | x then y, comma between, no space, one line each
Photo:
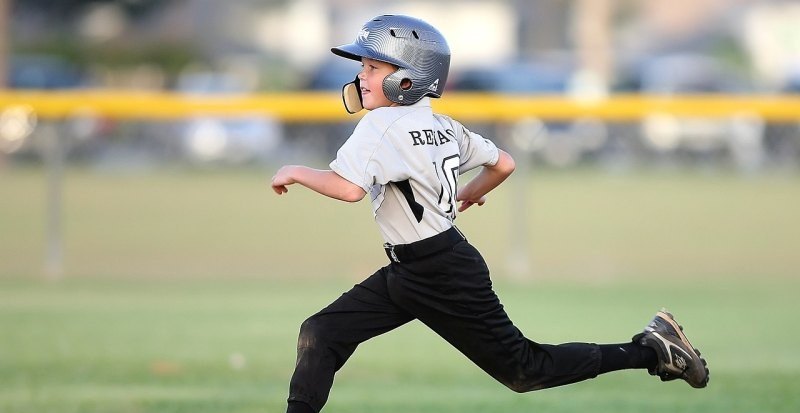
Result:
351,96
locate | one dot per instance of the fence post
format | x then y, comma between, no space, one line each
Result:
54,165
526,135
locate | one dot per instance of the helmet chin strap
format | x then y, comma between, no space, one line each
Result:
351,96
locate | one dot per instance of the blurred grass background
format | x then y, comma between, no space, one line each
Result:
186,279
192,304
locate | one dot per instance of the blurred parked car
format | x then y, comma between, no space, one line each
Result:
557,143
782,139
231,140
515,78
738,137
43,72
326,138
332,74
23,134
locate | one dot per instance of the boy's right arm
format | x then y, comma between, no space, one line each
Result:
473,193
325,182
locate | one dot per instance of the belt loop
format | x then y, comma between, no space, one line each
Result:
389,248
460,233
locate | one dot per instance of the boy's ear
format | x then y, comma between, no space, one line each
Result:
351,96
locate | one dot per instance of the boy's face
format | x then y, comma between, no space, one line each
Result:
372,74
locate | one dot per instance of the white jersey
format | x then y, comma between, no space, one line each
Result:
408,160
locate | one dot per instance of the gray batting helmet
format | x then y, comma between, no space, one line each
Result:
414,46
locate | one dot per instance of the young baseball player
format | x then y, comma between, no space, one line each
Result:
408,159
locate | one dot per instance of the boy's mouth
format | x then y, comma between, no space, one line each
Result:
364,90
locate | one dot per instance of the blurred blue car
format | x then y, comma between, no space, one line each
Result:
515,78
43,72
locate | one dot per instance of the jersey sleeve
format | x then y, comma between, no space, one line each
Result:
366,159
475,150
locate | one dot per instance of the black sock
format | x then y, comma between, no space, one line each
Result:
626,356
299,407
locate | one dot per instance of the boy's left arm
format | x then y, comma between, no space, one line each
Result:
325,182
487,179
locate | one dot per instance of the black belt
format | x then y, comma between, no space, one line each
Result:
424,247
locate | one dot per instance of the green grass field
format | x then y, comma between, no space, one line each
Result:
184,291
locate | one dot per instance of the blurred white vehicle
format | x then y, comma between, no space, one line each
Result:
232,140
738,137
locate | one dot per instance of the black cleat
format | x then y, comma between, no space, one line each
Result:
677,359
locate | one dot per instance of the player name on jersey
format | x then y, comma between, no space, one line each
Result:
431,137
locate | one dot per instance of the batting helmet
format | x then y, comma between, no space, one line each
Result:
418,50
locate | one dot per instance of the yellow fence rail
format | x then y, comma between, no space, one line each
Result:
313,106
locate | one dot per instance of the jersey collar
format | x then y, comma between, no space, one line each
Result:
424,102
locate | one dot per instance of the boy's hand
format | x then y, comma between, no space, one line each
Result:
281,179
466,203
474,192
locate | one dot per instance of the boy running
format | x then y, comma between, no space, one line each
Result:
408,159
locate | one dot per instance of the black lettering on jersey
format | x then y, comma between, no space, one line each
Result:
405,189
432,137
416,137
442,138
429,137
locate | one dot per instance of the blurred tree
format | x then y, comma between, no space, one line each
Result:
67,31
4,11
70,8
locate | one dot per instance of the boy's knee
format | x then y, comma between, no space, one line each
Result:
521,383
533,382
518,386
309,333
317,343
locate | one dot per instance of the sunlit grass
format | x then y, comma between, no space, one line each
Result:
228,345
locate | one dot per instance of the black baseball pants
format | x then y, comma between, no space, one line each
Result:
452,294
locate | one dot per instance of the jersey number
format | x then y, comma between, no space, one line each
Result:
447,173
